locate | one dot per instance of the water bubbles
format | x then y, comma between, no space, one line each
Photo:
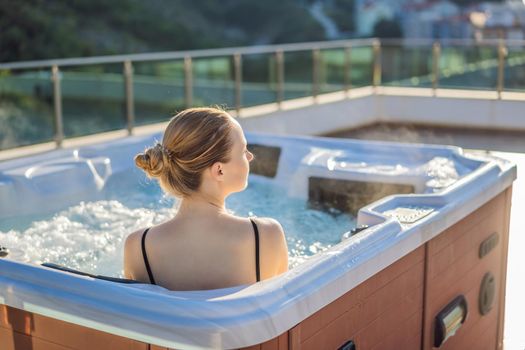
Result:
308,231
317,247
89,236
441,172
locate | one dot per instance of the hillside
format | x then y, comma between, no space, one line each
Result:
40,29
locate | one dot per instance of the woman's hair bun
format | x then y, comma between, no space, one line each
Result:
151,160
193,141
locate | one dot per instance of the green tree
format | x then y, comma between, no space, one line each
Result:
41,29
27,32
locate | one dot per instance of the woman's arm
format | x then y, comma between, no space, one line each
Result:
274,257
131,249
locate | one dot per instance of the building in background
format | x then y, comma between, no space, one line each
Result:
440,19
498,20
434,19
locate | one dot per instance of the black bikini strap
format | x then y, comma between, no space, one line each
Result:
146,262
257,268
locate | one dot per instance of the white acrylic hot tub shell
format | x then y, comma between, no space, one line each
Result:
245,315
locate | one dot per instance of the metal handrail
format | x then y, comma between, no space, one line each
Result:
279,67
130,106
161,56
451,42
436,53
237,62
188,81
502,53
57,103
237,53
376,73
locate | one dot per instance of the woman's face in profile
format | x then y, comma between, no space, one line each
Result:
237,169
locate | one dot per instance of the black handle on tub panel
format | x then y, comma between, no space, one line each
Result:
449,320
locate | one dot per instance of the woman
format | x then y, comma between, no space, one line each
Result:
202,159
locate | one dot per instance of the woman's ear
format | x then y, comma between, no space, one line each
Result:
217,171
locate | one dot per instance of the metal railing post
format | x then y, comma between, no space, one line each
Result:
376,75
279,66
57,104
316,58
502,53
347,70
130,105
237,63
436,54
188,82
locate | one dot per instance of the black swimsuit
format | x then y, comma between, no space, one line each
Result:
257,268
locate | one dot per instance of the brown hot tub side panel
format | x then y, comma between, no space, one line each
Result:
382,312
454,267
21,330
279,343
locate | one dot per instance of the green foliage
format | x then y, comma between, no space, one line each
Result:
40,29
28,32
25,120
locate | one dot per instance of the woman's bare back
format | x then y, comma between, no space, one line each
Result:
208,253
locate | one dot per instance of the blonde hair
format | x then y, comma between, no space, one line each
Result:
193,141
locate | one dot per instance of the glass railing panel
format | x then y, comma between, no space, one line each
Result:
332,70
514,73
406,65
214,82
298,74
26,107
259,82
158,89
362,65
93,99
468,67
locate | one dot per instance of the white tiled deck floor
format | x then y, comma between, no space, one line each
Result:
509,145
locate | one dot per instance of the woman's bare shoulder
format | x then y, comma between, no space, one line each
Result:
270,230
131,249
274,247
269,226
133,239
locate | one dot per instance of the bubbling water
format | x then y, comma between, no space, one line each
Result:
90,236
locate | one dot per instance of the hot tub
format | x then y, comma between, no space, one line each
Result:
435,245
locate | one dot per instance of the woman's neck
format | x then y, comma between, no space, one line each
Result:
201,204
